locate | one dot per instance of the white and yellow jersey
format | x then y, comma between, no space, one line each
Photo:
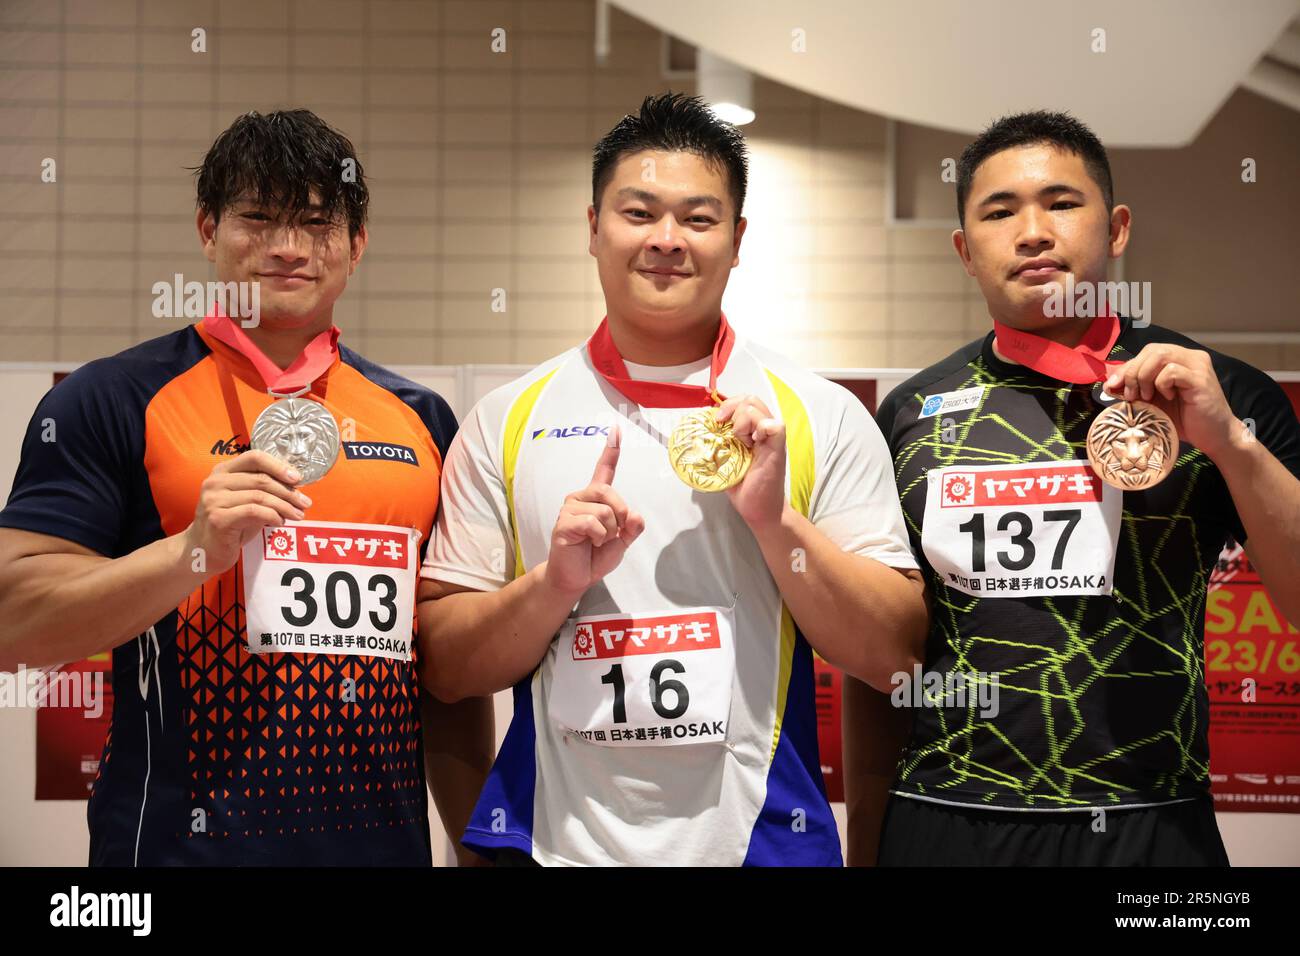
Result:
672,720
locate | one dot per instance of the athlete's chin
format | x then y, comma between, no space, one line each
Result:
1027,309
667,305
295,317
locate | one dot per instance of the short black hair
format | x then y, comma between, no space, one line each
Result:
1030,129
277,159
674,122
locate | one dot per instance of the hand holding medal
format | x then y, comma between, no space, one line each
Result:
713,447
1182,385
758,494
1132,444
298,431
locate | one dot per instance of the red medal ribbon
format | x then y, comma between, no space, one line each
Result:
607,361
1084,364
314,361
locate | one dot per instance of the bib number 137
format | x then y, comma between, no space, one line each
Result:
1024,530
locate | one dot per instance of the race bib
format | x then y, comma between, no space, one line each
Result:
331,588
1036,530
646,680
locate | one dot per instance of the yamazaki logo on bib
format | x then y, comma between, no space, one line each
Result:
1010,486
658,679
331,588
654,635
1043,529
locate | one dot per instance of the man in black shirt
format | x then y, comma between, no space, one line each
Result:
1062,715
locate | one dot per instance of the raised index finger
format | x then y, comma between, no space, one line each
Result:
608,461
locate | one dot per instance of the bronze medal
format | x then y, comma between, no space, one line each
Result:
1132,445
706,454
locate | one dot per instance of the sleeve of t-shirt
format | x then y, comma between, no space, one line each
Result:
76,461
473,542
1261,403
855,501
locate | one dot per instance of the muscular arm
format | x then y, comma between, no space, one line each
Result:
864,617
474,643
62,602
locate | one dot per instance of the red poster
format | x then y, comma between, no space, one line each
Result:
71,726
829,685
1252,672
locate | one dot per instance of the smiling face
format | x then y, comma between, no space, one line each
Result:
302,266
1033,215
665,240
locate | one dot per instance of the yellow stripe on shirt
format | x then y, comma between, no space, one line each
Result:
801,471
521,410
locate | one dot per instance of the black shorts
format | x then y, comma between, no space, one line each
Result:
924,833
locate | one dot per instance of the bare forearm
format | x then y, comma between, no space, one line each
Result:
875,733
1267,498
66,606
862,616
459,744
475,643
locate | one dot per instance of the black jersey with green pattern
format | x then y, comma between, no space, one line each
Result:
1101,699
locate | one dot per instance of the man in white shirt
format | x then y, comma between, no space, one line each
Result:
659,638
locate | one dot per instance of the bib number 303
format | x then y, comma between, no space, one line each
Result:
1036,530
331,588
647,680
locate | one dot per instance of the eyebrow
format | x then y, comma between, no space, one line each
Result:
631,192
1005,194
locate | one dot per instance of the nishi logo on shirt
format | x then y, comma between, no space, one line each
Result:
228,446
571,431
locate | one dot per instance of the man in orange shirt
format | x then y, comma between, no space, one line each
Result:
259,603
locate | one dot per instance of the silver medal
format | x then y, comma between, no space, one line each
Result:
301,432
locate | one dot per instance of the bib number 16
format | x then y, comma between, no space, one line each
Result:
658,685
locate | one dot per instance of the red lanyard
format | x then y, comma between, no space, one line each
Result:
295,380
1084,364
607,361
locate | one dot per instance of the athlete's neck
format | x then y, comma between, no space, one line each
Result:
660,348
283,346
1069,333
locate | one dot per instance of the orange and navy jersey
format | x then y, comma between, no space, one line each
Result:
216,754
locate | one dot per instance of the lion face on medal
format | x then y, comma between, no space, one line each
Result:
706,454
300,432
1132,445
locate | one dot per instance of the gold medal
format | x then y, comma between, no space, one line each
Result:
706,454
1132,445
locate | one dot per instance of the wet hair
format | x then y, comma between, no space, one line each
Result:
1031,129
674,122
277,159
